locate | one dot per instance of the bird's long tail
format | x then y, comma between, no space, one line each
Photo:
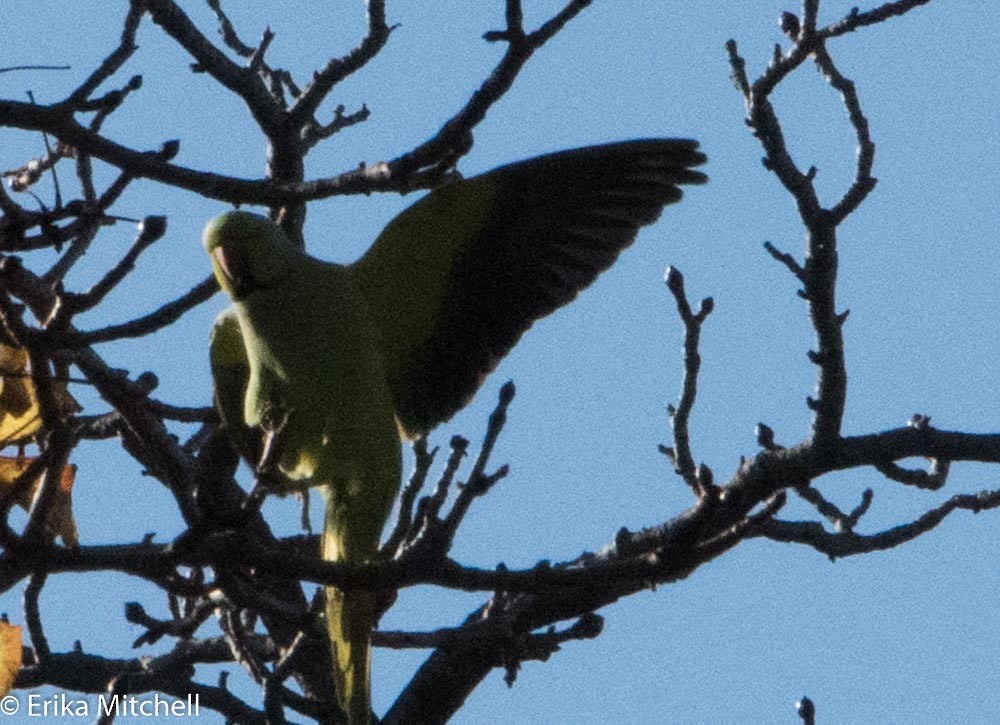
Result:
350,618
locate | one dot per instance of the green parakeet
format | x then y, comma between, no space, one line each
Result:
326,367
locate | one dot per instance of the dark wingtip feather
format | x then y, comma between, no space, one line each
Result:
559,220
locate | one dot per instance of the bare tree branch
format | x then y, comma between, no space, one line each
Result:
680,454
846,542
156,320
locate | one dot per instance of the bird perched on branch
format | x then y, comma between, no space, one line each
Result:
330,365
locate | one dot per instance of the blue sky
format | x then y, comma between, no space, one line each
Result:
908,636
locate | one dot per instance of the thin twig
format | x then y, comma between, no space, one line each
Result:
338,69
13,68
424,459
856,19
680,454
228,32
455,131
151,229
479,482
209,59
113,62
863,182
848,543
147,324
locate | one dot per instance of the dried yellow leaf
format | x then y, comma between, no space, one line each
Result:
10,656
19,415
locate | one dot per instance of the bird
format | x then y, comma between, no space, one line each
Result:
323,370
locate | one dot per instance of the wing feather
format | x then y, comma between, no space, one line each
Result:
456,279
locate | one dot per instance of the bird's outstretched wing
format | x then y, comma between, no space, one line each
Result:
456,279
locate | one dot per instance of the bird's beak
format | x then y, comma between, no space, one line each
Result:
239,285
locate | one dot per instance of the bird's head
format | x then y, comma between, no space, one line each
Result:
249,253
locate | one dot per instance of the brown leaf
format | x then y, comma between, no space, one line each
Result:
10,656
60,521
